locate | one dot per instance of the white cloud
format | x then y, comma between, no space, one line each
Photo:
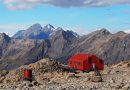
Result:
127,31
19,4
27,4
80,31
11,29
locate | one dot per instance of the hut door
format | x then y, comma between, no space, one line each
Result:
93,66
75,65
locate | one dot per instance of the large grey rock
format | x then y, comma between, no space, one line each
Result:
96,79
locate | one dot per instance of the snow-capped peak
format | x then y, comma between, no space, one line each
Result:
49,26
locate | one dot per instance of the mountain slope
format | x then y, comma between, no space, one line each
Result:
61,45
21,52
112,48
59,40
4,42
25,51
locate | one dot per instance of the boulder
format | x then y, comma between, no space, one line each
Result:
126,87
41,79
12,79
2,79
96,79
3,72
112,80
34,83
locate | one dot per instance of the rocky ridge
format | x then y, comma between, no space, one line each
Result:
61,45
115,77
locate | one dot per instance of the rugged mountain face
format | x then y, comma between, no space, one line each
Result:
112,48
4,39
35,32
48,29
91,43
19,34
61,45
117,48
4,42
59,40
25,51
17,52
20,52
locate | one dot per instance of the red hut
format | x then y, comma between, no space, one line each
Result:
85,62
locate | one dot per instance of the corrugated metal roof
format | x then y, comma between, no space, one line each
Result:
80,57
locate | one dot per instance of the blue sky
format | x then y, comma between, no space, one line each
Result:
80,19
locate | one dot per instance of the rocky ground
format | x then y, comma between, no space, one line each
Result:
47,76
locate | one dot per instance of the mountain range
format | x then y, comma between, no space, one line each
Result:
36,31
37,42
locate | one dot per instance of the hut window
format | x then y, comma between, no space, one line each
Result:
79,63
101,61
89,60
70,62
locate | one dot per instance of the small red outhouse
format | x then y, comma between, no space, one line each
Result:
27,74
85,62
